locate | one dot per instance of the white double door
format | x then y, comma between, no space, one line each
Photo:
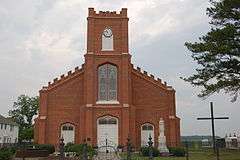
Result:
107,134
68,136
145,137
68,133
147,130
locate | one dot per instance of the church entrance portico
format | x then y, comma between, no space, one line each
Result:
107,131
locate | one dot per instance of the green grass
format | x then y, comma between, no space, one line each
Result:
197,155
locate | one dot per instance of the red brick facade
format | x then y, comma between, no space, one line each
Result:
72,98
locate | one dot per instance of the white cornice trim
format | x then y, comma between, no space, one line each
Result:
89,105
43,117
107,102
171,117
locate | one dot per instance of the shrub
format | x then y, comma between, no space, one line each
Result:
49,147
13,149
67,146
6,153
177,151
78,149
145,151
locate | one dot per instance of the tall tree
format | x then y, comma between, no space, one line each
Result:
218,52
24,110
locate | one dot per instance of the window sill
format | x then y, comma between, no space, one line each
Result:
107,50
107,102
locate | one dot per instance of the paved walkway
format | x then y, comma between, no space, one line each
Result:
106,156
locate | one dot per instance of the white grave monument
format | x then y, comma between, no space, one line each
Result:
232,142
162,139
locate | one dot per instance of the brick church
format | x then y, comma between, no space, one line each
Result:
107,98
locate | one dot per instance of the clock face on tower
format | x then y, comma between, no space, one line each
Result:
107,32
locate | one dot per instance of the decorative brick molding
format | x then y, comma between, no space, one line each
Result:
151,78
107,14
63,78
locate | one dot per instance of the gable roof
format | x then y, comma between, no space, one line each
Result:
9,121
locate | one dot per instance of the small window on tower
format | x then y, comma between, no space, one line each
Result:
107,40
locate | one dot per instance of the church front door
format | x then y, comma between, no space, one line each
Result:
107,131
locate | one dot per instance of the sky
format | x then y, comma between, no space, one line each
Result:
40,40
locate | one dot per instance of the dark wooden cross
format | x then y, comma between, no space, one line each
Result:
212,118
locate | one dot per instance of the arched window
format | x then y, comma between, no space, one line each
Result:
107,83
107,40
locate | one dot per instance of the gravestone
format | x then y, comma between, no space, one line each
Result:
162,147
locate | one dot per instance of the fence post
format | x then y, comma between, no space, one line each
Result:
61,149
150,143
24,150
217,149
187,151
85,156
129,148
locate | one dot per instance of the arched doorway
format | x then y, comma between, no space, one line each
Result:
107,131
147,130
68,133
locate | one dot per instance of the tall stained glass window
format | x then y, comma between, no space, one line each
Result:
107,82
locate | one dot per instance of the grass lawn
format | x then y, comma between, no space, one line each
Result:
197,155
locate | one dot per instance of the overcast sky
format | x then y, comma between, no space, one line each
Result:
40,40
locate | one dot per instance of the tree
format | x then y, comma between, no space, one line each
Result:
25,108
218,52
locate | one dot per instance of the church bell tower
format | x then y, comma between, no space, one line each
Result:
107,32
107,70
107,43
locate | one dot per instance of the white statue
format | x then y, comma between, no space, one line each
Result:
162,138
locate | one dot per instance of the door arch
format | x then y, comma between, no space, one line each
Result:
147,129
